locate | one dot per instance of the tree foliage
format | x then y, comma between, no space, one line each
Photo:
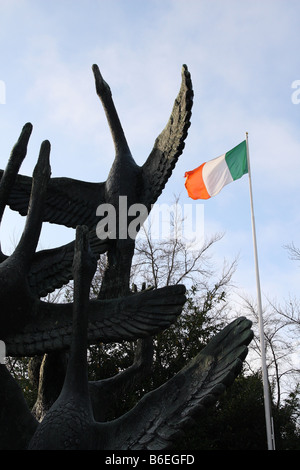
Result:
237,421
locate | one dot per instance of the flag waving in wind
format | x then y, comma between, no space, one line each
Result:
208,179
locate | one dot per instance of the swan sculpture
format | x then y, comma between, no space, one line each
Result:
158,418
31,326
73,202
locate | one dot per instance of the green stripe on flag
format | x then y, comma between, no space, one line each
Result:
236,160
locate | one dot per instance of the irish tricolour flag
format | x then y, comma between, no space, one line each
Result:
208,179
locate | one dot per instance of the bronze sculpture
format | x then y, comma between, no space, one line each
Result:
72,202
30,326
155,421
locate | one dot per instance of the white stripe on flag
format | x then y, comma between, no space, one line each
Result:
216,175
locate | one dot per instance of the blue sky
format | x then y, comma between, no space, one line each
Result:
243,58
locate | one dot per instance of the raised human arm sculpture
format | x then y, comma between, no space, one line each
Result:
73,202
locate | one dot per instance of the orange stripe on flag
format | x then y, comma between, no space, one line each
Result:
195,185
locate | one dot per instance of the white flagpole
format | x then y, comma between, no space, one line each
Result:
268,414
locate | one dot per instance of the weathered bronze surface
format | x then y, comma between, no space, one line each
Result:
71,412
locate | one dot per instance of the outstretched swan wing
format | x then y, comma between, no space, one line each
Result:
169,144
125,318
162,414
69,202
